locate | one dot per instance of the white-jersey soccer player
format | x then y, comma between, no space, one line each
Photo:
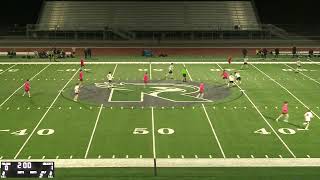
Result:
170,71
76,92
231,80
238,77
298,65
109,78
245,62
307,119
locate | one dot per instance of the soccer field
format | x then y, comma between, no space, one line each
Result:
133,125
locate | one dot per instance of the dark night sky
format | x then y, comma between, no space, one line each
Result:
270,11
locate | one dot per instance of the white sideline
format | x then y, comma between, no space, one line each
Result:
22,85
137,62
213,131
187,162
275,132
44,115
187,72
285,89
93,131
304,74
153,136
7,69
150,67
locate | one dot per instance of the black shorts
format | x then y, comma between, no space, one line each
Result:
184,75
110,81
245,63
239,78
231,82
170,72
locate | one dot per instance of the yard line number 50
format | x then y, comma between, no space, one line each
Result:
163,131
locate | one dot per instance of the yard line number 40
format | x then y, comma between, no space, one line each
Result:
41,132
286,131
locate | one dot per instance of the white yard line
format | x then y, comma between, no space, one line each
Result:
23,84
284,89
274,131
44,115
150,67
213,131
160,62
93,132
153,136
187,72
304,74
114,70
186,162
8,69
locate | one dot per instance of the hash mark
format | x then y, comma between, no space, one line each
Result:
210,156
140,156
280,156
71,157
196,156
308,156
127,156
252,156
238,156
266,156
169,157
29,157
182,156
113,156
99,156
43,157
1,157
57,157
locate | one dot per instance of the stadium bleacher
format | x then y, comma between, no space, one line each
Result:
144,15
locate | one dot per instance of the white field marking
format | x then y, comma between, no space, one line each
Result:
266,156
43,157
140,156
57,157
160,62
127,156
169,157
113,156
308,156
93,132
187,72
29,157
186,162
182,156
196,156
114,70
71,157
99,157
280,156
23,84
1,157
238,156
305,75
7,69
213,131
44,115
5,130
274,131
285,89
252,156
150,70
210,156
153,136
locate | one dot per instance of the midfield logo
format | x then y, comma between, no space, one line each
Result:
136,92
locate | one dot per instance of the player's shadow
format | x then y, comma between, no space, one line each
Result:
290,123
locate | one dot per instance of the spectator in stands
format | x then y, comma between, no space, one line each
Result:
310,53
73,54
294,51
264,52
85,51
89,52
244,52
276,52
